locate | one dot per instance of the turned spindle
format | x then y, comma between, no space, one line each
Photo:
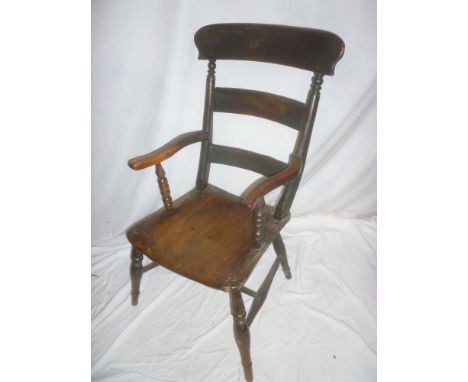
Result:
204,163
259,223
164,187
241,331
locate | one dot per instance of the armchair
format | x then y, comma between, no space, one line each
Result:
209,235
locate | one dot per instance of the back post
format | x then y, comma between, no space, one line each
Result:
301,147
204,164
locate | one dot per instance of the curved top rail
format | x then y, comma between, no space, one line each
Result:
304,48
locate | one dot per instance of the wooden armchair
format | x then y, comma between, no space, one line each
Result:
209,235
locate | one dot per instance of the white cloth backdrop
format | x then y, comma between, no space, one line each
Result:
148,86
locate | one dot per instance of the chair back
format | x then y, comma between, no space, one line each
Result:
304,48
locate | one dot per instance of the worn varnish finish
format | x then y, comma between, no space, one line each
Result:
303,48
206,237
166,151
209,235
264,185
279,109
248,160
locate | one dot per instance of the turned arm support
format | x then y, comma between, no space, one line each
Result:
257,190
169,149
155,158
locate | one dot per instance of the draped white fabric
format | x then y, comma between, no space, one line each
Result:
148,87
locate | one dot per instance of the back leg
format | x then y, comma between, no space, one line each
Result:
136,272
280,250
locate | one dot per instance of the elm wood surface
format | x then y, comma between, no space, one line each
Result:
210,235
207,237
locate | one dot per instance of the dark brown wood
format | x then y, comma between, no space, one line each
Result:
209,235
204,164
136,272
248,291
301,147
280,250
276,108
264,185
248,160
272,228
166,151
241,331
262,293
150,266
164,187
260,223
303,48
313,98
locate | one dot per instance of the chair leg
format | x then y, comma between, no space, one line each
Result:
241,331
280,250
136,272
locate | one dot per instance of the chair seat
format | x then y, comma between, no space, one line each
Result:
208,237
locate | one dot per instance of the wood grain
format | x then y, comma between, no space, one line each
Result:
303,48
209,235
264,185
248,160
286,111
167,150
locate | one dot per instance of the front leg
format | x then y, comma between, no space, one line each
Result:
136,272
241,331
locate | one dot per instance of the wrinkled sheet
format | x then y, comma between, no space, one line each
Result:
318,326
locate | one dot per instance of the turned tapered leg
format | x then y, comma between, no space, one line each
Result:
280,250
241,331
136,272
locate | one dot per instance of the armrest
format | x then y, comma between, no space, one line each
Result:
264,185
166,151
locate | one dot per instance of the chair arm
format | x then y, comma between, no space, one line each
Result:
264,185
166,151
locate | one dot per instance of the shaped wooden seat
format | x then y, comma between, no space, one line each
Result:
209,235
